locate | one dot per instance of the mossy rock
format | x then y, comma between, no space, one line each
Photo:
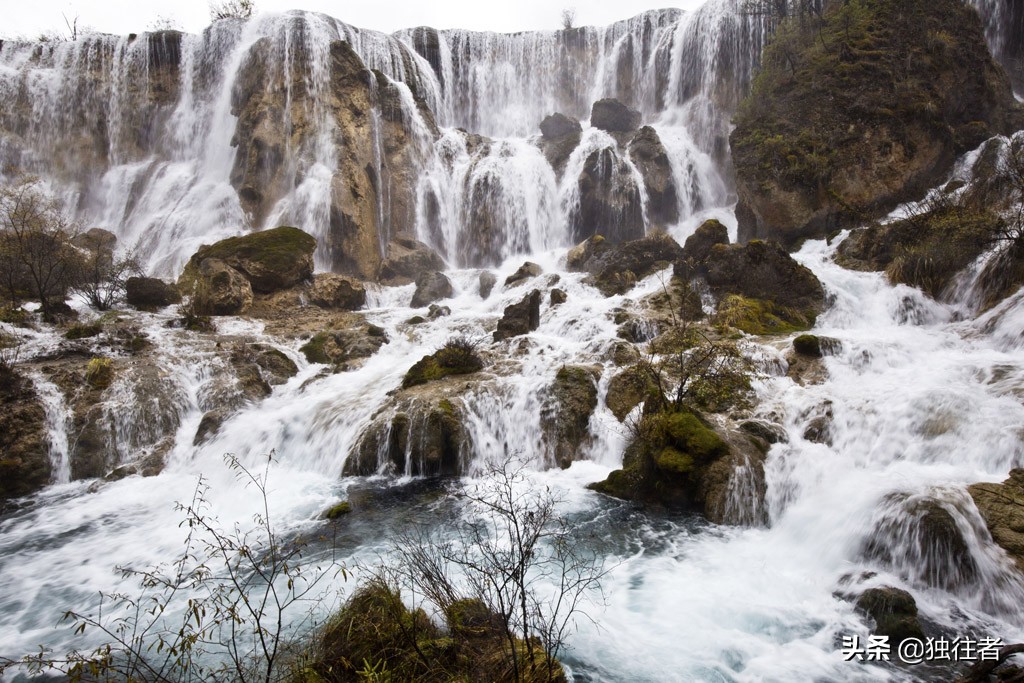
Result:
451,359
271,259
760,317
568,404
338,347
99,373
338,510
83,331
627,390
894,612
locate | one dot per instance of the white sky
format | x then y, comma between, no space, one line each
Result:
29,18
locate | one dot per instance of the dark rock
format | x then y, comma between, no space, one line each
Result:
1002,508
457,357
339,347
559,125
423,437
340,292
150,293
610,201
648,154
434,311
614,270
565,417
613,116
431,287
894,612
99,243
408,259
525,272
487,282
768,432
627,390
586,252
520,318
24,446
558,296
271,260
697,247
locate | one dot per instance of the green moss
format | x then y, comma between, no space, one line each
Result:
686,432
760,317
338,510
672,460
808,345
315,349
83,331
456,357
99,373
14,316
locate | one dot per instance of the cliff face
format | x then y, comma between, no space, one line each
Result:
866,109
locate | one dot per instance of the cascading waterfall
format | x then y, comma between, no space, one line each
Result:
923,396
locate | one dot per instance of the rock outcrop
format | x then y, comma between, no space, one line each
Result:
648,153
1002,508
519,318
407,259
271,260
615,269
25,460
565,418
150,293
338,292
849,118
610,203
613,116
431,287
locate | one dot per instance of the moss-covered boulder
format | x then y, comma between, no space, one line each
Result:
861,111
614,269
627,390
894,613
519,318
457,357
665,461
24,447
1002,508
565,417
698,246
340,347
271,260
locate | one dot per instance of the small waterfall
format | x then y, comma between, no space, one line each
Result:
58,418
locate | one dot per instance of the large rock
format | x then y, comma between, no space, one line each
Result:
520,318
406,260
334,291
560,135
559,125
615,269
218,289
833,133
99,243
271,260
524,272
24,447
1002,508
648,154
150,293
613,116
565,418
697,247
342,346
610,202
894,612
431,287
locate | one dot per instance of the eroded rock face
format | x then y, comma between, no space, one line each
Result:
406,260
219,289
24,463
271,260
615,269
610,203
560,135
826,139
647,152
340,292
568,405
1002,508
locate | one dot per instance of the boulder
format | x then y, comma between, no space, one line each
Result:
565,417
271,260
613,116
431,287
519,318
615,269
829,138
559,125
649,156
24,444
457,357
219,289
339,347
150,293
406,260
99,243
697,247
894,612
627,390
524,272
334,291
558,296
1002,508
610,202
487,282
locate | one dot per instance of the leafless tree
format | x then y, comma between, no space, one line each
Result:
568,18
232,9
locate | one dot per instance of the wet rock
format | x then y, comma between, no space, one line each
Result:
434,311
100,245
627,390
520,318
337,292
340,347
814,346
818,428
431,287
613,116
697,247
610,200
733,488
648,154
558,297
457,357
271,260
769,432
1002,508
586,252
150,293
275,367
894,612
559,125
24,445
615,269
407,259
218,289
524,272
565,417
487,282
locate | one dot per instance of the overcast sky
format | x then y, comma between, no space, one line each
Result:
29,18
